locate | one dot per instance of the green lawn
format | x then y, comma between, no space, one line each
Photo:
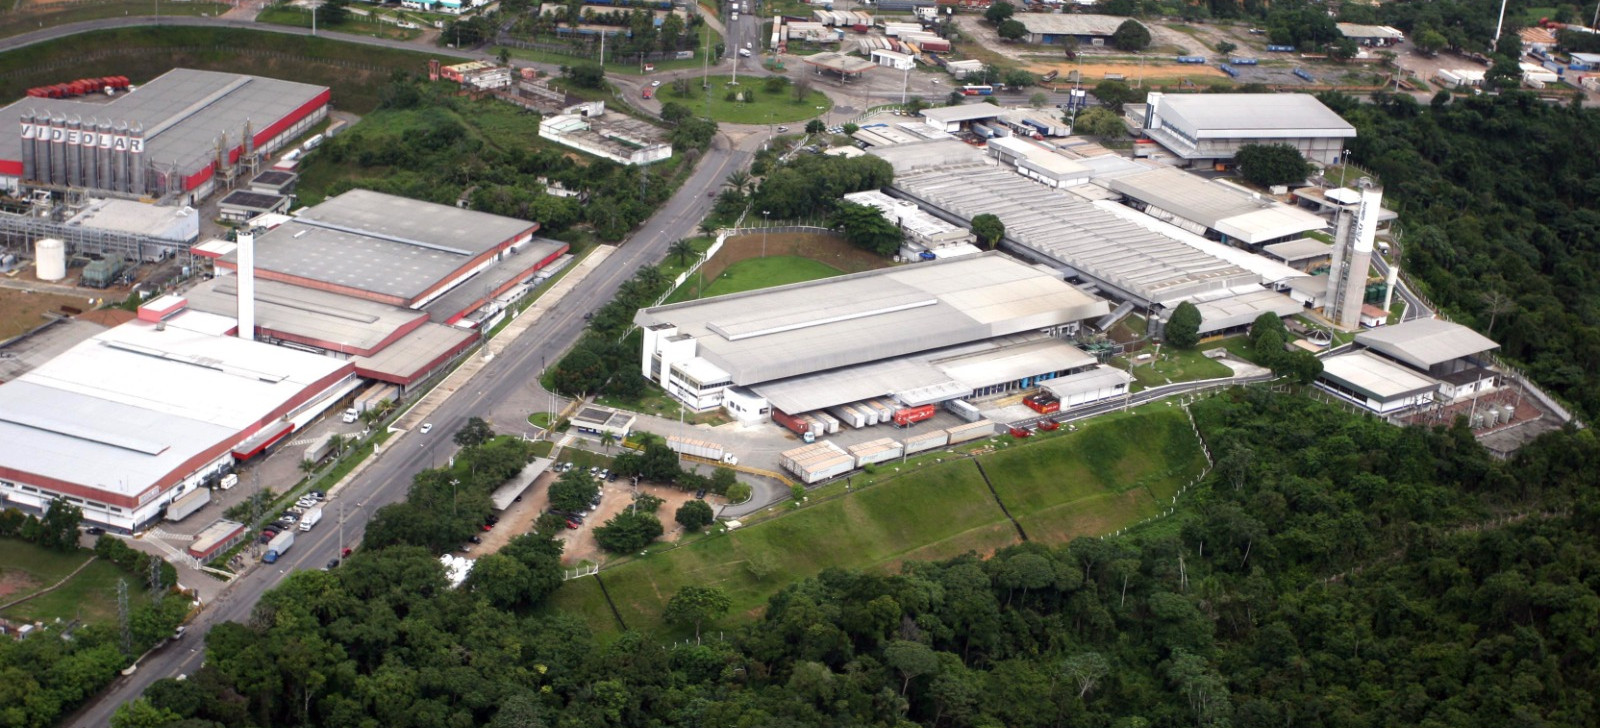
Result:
1172,366
300,17
356,73
755,274
91,595
1099,478
758,107
617,66
25,18
936,512
1107,475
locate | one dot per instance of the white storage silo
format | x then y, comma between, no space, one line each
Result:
50,257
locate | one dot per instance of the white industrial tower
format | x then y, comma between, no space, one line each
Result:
1352,258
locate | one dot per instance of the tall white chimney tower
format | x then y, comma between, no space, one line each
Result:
1352,258
247,286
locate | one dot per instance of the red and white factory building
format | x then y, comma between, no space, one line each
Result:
169,138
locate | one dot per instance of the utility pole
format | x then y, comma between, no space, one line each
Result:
1494,45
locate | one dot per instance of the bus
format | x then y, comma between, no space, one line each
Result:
977,90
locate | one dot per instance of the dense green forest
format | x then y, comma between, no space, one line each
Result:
1496,196
1334,571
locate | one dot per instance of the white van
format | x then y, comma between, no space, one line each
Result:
735,15
230,480
351,415
744,52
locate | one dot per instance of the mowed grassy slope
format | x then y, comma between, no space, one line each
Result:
91,595
755,274
1105,476
1098,479
939,511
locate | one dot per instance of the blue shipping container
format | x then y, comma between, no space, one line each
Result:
1243,61
1228,70
1301,72
1191,59
1281,48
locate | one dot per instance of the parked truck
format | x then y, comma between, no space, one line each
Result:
697,448
278,546
311,518
912,415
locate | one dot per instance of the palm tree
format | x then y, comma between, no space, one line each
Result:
651,276
683,249
607,440
707,228
307,465
739,180
632,290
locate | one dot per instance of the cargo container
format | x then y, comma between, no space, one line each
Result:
186,506
849,415
1191,59
912,415
1230,70
697,448
1242,61
792,423
1301,72
829,422
817,462
1280,48
230,480
885,408
924,441
963,409
278,546
1042,403
970,431
876,451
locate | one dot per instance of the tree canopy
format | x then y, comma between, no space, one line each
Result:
1332,569
866,228
989,229
1183,327
1272,164
1131,36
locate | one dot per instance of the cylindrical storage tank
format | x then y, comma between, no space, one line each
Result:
50,255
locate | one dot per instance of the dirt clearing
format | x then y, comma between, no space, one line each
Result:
618,496
22,311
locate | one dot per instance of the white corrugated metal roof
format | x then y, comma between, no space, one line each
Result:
124,410
1423,343
1375,376
765,335
1251,115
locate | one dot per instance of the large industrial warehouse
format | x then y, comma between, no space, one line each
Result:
397,284
126,422
1117,250
1206,128
920,335
167,139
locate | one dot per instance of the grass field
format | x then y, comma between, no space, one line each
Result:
755,274
1173,366
300,17
1099,478
939,511
91,595
355,73
760,106
28,17
708,38
1105,476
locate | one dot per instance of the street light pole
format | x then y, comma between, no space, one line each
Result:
766,222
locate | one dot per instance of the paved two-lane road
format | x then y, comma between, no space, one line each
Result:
385,480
